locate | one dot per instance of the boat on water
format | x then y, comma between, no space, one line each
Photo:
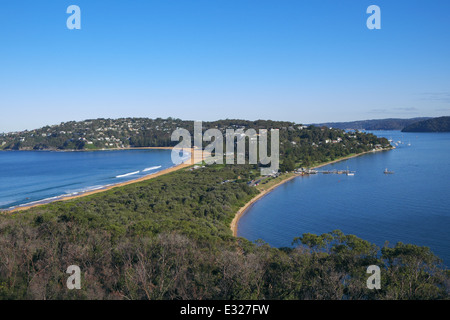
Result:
350,173
386,171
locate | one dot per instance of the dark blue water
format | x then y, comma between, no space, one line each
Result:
412,205
29,176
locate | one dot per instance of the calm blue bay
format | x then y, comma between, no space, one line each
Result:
29,176
412,205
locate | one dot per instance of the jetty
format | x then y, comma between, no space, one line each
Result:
304,171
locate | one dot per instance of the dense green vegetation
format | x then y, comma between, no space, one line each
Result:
314,145
378,124
170,238
94,134
144,132
441,124
299,145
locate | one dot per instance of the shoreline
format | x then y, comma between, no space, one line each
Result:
241,212
34,204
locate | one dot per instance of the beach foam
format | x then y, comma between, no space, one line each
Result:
127,174
151,168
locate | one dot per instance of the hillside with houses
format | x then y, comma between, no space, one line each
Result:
299,144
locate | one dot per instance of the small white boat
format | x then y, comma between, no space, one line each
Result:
350,173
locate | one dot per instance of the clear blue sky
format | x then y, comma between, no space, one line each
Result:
303,61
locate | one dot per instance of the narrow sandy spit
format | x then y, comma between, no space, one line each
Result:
148,177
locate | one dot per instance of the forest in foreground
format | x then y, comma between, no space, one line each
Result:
170,238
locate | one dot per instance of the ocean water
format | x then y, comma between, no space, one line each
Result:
411,206
30,176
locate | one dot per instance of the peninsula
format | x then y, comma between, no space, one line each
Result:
169,237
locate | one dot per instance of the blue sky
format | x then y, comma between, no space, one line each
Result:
302,61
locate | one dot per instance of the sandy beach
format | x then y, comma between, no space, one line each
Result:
148,177
242,211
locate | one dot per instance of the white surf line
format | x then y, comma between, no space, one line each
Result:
127,174
151,168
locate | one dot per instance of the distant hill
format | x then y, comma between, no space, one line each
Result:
441,124
97,134
299,145
376,124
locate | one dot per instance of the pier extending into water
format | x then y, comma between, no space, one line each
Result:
303,171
